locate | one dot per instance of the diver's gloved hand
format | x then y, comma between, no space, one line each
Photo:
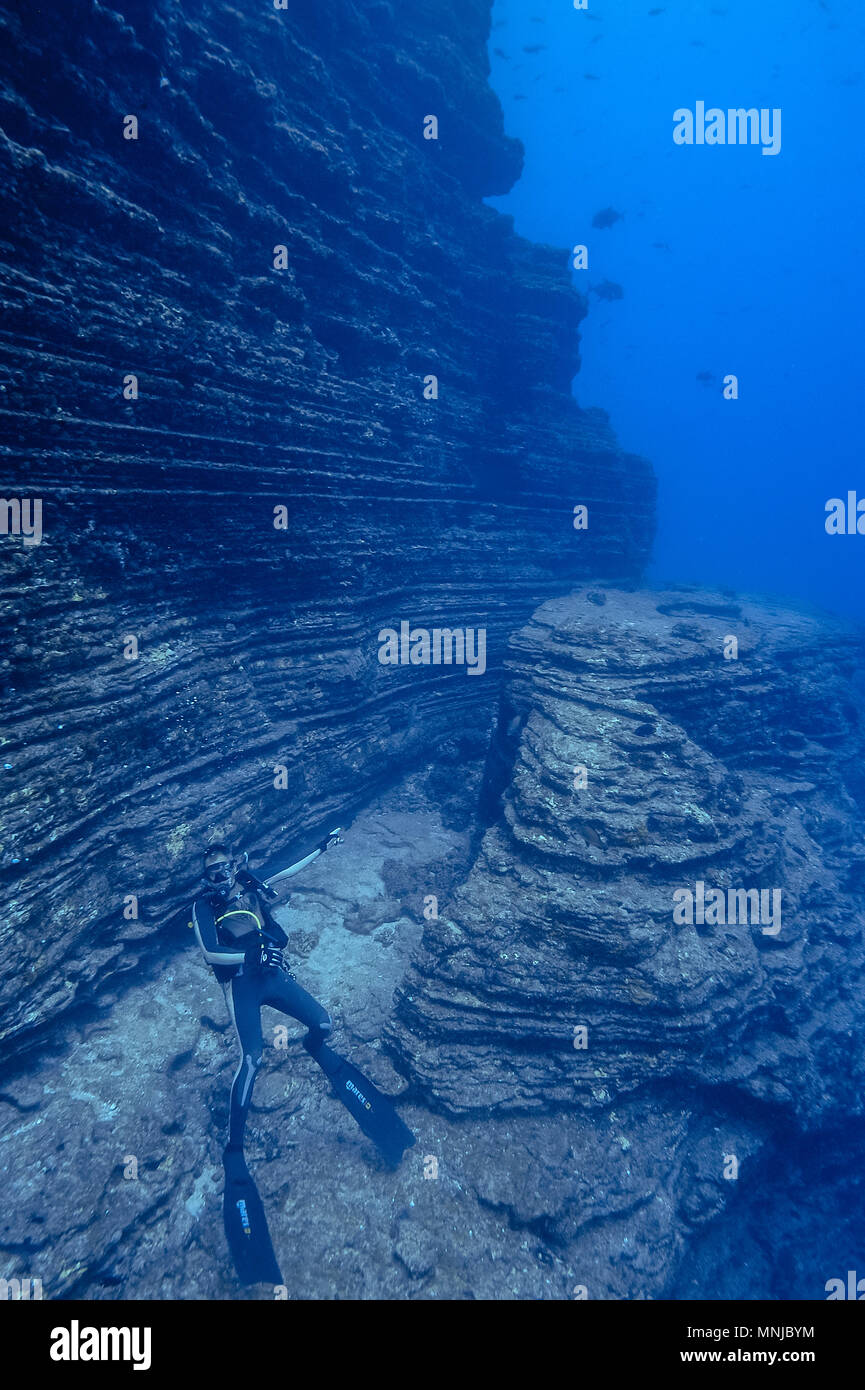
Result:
334,838
272,958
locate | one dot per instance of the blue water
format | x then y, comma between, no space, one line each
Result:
731,261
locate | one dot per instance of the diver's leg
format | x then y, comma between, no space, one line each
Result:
285,994
373,1112
244,1004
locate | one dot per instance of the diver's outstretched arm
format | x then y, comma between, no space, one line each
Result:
334,838
295,868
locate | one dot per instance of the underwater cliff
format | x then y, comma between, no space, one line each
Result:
258,388
283,382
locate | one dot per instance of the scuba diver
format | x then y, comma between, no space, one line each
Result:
243,943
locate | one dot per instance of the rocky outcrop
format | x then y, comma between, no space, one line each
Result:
255,648
639,1056
646,763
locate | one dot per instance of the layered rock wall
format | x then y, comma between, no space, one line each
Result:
260,388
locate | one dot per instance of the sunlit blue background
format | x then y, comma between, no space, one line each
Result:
730,261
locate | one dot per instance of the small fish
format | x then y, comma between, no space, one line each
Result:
534,47
591,77
500,53
606,217
520,96
608,289
705,377
654,12
661,245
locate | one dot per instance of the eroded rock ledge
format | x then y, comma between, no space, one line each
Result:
737,773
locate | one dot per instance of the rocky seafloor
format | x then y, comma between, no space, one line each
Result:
543,1170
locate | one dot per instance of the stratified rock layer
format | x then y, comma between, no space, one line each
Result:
540,1171
699,766
260,388
111,1138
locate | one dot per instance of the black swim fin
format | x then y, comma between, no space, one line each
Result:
246,1225
374,1112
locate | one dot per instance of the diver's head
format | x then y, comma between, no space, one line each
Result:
219,868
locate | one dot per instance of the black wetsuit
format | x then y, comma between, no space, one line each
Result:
231,930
